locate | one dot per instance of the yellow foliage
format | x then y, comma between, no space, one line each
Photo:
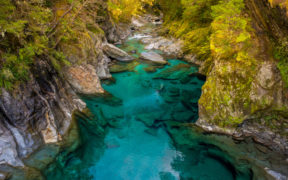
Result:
124,10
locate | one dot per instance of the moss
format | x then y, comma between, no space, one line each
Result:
280,52
94,28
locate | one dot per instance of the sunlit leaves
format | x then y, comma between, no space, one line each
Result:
123,10
23,37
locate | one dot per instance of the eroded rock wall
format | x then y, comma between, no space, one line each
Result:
39,111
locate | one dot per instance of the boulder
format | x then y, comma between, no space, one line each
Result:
122,67
116,53
84,79
154,57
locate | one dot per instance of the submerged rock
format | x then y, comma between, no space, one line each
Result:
175,72
153,57
148,118
122,67
116,53
152,68
166,176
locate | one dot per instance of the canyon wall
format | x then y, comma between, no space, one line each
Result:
59,43
241,46
249,97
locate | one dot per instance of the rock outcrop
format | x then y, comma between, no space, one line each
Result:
84,79
250,100
37,113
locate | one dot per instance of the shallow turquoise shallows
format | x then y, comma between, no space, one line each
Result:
136,131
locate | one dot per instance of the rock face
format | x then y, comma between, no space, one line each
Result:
37,113
153,57
89,53
116,53
115,33
249,100
84,79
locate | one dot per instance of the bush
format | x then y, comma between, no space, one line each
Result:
24,27
123,10
281,54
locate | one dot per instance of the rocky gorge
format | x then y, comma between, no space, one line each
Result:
44,118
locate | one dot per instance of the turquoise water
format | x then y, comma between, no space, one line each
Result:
142,129
131,132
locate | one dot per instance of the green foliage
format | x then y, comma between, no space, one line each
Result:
191,21
198,42
281,54
209,26
231,36
220,34
172,9
123,10
283,67
24,28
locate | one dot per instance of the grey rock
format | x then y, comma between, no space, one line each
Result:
276,175
153,57
102,67
37,113
170,47
2,176
8,152
116,53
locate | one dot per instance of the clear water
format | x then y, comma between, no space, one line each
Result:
143,130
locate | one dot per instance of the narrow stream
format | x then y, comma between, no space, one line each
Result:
142,129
